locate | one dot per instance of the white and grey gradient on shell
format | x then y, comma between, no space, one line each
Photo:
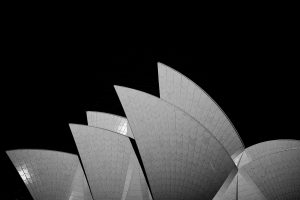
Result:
247,189
108,121
264,148
244,189
276,174
231,191
51,175
110,164
118,124
182,92
182,158
180,145
268,170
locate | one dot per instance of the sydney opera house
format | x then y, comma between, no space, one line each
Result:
178,146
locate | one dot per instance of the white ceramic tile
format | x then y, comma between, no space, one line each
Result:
264,148
277,175
182,92
109,162
181,158
113,123
50,175
109,121
231,191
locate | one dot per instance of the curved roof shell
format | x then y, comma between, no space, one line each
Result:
247,189
110,164
231,192
182,92
51,175
277,175
243,189
108,121
254,161
264,148
120,125
181,157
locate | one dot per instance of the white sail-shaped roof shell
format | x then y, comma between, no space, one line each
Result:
243,189
182,92
267,167
182,159
264,148
80,188
51,175
277,175
231,192
110,163
110,122
120,125
247,189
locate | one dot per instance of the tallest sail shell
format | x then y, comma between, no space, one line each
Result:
185,94
182,159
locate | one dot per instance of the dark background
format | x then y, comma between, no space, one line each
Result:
52,78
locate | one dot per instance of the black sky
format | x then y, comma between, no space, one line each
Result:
50,83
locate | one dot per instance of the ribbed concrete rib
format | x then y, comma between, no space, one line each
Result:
242,189
182,92
225,190
51,175
181,158
80,188
247,189
128,178
230,193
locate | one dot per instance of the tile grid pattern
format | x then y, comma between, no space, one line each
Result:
109,121
135,189
248,190
105,156
277,175
105,159
265,148
182,92
80,188
50,173
230,193
112,123
182,160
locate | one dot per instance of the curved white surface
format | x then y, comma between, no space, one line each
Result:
110,164
247,189
243,189
231,192
277,175
182,92
51,175
108,121
181,158
264,148
120,125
